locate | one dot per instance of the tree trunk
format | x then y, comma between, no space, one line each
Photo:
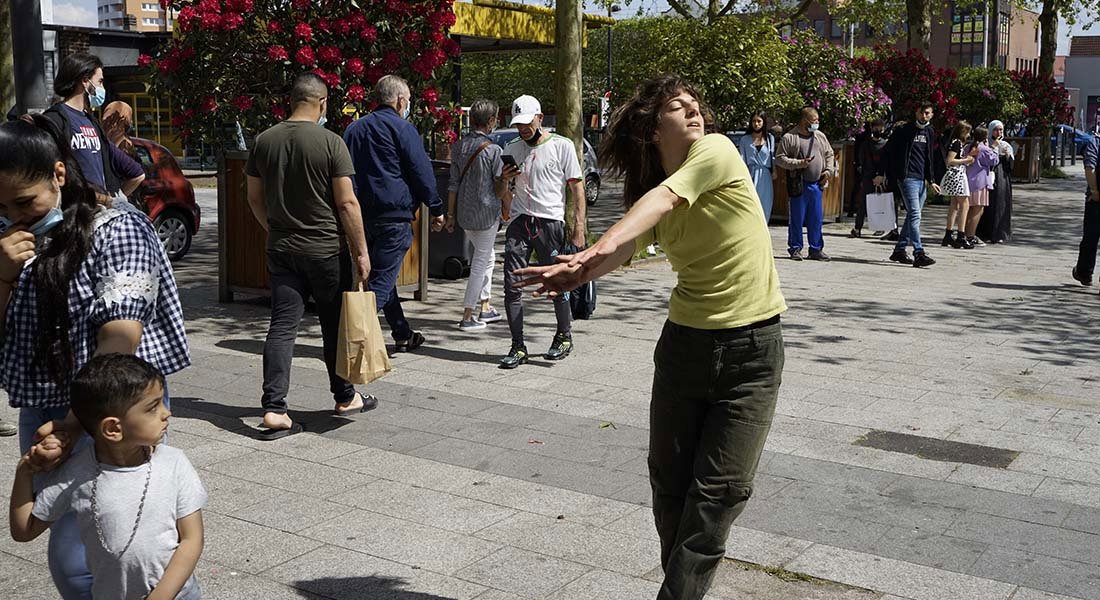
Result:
919,18
567,40
1048,47
7,64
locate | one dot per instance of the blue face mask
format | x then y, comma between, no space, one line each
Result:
99,97
814,126
322,120
408,110
51,219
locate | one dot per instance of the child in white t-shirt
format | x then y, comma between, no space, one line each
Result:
138,503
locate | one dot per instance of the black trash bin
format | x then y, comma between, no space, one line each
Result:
449,253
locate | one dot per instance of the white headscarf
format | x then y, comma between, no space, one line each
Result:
1001,146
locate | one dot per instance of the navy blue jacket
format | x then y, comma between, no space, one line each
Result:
393,174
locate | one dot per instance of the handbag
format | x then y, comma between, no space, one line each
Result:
880,211
361,355
795,184
582,301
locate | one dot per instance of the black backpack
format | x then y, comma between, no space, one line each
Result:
582,301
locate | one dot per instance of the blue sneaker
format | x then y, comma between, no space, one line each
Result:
490,316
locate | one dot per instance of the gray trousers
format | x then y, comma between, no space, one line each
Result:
714,395
545,237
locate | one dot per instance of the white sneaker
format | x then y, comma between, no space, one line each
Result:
471,325
651,249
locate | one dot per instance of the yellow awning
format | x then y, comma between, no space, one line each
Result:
512,22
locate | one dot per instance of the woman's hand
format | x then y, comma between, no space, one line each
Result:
16,248
569,272
449,224
53,442
878,180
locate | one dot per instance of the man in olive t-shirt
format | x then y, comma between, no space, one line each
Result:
299,189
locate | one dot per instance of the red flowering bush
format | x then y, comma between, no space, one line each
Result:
233,60
1046,102
909,78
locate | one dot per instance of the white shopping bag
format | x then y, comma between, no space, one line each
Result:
880,212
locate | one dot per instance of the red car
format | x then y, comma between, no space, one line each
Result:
167,197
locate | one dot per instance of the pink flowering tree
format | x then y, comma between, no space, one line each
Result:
823,77
231,61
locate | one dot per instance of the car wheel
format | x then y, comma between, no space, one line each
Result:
174,233
591,189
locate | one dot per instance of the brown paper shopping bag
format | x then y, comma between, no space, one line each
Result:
361,352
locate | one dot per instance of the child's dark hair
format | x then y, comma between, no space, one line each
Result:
108,386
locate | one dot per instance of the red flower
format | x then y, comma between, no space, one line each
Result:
179,121
274,27
278,112
435,38
356,93
301,4
342,26
355,67
144,60
243,103
210,21
374,73
209,104
451,47
241,6
323,24
277,53
368,33
168,65
303,32
357,20
450,136
391,60
412,38
232,22
430,95
329,54
304,56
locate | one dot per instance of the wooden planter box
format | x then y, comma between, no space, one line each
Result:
242,242
832,198
1026,167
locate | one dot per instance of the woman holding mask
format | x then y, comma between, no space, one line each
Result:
719,361
76,279
757,148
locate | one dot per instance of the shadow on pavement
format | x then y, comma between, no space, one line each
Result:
363,588
257,347
228,418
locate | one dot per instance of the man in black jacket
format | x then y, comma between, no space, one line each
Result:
909,155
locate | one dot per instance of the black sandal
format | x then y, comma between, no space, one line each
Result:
270,435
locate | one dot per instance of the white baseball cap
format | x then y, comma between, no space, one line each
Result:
524,110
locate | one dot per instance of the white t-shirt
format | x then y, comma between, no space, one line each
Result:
174,492
544,171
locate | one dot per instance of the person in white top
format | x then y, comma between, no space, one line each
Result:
546,165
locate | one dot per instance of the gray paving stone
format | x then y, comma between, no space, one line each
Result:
927,548
290,512
1083,519
825,472
1012,482
249,547
637,523
1069,491
736,582
871,458
441,510
203,451
762,548
1043,428
290,474
896,577
24,579
801,521
867,505
33,551
340,574
523,574
991,502
576,542
380,435
1028,537
226,583
607,585
402,541
1041,573
549,501
228,494
421,472
1023,593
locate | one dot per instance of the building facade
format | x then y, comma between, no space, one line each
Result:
1006,37
1083,73
135,15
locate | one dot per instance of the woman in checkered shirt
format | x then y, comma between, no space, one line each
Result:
76,279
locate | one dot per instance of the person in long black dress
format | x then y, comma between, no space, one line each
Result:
996,224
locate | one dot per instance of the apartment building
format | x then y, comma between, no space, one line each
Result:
135,15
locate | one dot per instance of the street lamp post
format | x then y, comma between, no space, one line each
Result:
611,8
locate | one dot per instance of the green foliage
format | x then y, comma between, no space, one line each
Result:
824,78
987,93
739,65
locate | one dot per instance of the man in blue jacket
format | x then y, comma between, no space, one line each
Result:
393,177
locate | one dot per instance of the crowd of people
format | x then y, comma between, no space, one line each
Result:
91,322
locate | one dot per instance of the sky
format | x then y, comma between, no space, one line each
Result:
83,13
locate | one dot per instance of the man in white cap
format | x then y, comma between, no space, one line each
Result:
547,165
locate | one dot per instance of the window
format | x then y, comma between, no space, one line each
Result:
150,7
151,22
837,29
819,27
802,24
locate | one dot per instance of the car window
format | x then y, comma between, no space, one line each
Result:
146,159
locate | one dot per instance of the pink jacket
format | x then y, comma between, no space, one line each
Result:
979,173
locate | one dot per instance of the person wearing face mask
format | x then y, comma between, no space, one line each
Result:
300,190
995,225
909,165
806,151
548,166
872,160
393,177
77,279
79,83
758,149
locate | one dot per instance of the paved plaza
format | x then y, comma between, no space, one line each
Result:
473,482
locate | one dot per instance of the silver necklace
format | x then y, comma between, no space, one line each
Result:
141,504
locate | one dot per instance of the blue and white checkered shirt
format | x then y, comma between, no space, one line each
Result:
1092,155
126,276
